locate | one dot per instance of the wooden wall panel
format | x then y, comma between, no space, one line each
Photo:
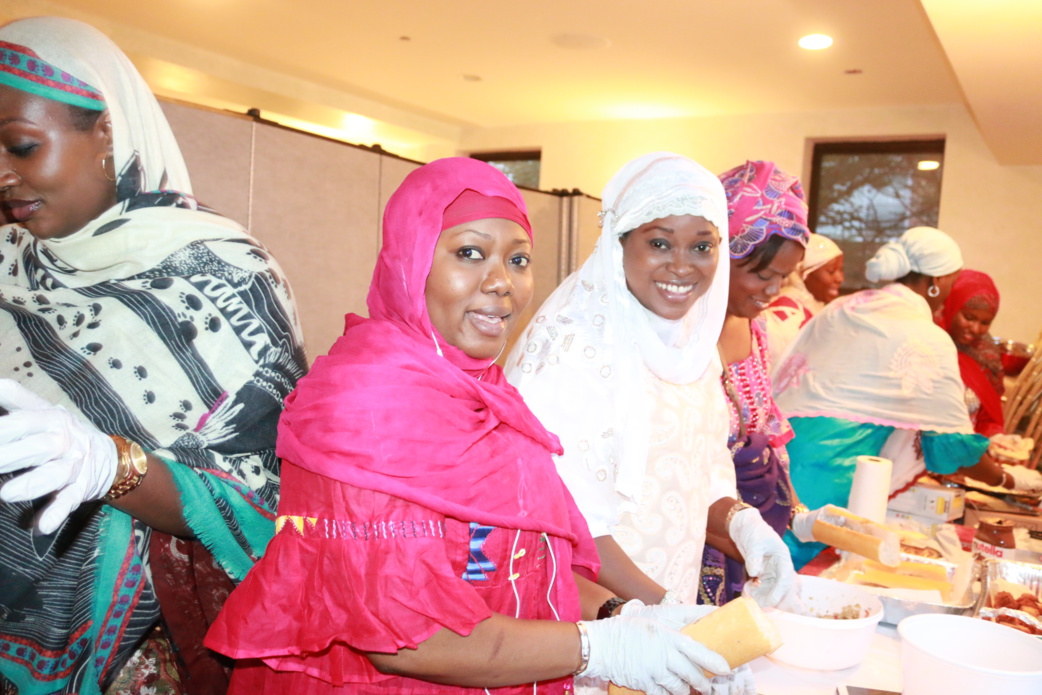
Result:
216,146
315,207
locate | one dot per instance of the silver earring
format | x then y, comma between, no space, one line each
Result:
933,291
105,169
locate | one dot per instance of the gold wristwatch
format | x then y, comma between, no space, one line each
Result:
131,468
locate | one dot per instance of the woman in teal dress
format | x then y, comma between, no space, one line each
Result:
873,375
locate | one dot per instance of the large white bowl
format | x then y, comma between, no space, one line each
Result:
827,644
954,655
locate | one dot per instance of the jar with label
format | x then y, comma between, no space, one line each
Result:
994,538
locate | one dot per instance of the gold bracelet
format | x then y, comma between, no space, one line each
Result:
132,466
738,506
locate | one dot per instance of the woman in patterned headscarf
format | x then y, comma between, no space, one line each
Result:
148,344
872,375
767,220
967,315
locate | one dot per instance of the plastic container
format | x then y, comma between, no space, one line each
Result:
827,644
955,655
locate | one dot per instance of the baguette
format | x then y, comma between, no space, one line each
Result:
739,631
892,580
845,531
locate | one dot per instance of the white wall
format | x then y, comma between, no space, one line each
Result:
993,211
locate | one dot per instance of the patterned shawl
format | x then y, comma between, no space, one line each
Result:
158,321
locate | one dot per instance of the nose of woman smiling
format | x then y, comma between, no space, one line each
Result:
497,280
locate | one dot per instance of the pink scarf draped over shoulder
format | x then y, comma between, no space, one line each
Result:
395,409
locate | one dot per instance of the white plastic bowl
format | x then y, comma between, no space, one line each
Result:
826,644
954,654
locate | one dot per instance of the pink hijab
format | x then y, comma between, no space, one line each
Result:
396,409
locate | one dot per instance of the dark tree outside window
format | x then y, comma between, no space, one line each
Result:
522,168
865,193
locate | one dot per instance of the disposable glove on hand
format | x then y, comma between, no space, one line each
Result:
803,523
646,655
1025,479
65,454
674,617
766,557
741,682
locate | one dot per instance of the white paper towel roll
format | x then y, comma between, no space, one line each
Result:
871,487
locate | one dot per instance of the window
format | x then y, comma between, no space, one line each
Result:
864,194
520,167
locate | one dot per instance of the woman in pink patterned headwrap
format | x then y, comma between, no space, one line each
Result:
767,219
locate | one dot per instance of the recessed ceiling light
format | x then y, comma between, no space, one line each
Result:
928,165
815,42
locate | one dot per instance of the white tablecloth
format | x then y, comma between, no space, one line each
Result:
881,669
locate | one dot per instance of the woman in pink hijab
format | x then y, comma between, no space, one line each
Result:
424,541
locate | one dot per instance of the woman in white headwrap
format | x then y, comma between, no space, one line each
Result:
621,363
872,374
806,292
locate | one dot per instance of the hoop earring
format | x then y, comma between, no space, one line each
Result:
933,291
105,169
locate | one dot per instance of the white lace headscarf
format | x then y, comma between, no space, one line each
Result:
581,363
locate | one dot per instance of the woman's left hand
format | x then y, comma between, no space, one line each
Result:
65,454
766,557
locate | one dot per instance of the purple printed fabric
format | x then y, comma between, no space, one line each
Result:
763,200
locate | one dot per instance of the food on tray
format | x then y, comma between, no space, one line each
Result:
913,546
1011,447
846,531
913,569
739,631
1022,607
896,580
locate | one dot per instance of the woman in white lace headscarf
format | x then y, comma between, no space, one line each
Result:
621,363
873,375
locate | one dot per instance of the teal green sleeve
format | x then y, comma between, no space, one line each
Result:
231,521
822,459
946,453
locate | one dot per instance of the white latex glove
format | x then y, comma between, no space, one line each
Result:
766,556
741,682
675,616
67,455
646,655
803,522
1025,479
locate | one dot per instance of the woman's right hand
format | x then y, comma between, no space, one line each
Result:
644,654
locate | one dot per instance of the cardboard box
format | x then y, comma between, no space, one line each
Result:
927,500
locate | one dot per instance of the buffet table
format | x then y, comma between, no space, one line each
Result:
881,671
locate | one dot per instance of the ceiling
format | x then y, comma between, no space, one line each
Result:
446,65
